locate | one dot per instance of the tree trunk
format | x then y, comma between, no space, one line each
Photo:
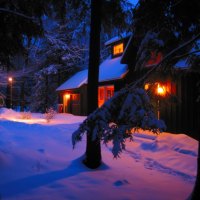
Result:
8,97
22,99
93,149
46,91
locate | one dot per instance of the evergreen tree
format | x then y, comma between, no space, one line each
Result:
111,11
128,110
42,97
178,22
58,55
172,22
21,18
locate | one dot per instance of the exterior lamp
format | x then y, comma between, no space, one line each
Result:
67,96
161,92
10,80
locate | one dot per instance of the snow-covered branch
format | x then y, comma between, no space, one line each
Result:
171,53
165,58
128,109
187,54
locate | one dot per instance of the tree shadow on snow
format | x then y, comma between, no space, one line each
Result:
22,186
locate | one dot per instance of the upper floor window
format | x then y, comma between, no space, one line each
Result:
155,58
118,49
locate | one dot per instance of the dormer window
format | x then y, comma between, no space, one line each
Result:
155,58
118,49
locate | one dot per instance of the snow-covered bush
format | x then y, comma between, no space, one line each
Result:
25,115
127,109
49,114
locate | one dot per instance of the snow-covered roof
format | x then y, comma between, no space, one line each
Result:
117,38
110,69
182,64
75,81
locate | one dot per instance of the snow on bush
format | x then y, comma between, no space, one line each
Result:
25,115
114,121
49,114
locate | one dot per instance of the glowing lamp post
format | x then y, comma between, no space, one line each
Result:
10,80
160,91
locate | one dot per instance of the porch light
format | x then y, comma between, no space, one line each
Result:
67,96
161,90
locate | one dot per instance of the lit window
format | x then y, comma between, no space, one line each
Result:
146,86
155,58
118,49
105,93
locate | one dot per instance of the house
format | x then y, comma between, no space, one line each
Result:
175,93
112,77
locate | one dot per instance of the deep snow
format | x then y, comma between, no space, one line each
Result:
37,162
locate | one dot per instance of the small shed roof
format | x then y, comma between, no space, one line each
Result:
75,81
117,38
110,69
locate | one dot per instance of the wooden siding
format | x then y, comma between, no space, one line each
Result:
183,115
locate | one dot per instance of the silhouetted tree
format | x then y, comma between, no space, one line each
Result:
93,148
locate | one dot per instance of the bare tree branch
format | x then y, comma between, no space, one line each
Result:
156,66
186,54
18,14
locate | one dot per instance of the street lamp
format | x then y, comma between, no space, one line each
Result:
10,80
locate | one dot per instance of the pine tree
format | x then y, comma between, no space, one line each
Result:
42,97
178,22
128,110
19,19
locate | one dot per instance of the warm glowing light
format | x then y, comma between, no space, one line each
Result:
161,90
146,86
105,93
67,96
10,79
118,49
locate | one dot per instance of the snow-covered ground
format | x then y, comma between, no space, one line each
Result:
37,162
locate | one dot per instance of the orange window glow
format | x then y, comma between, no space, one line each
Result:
146,86
118,49
105,93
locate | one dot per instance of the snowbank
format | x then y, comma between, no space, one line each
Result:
37,162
